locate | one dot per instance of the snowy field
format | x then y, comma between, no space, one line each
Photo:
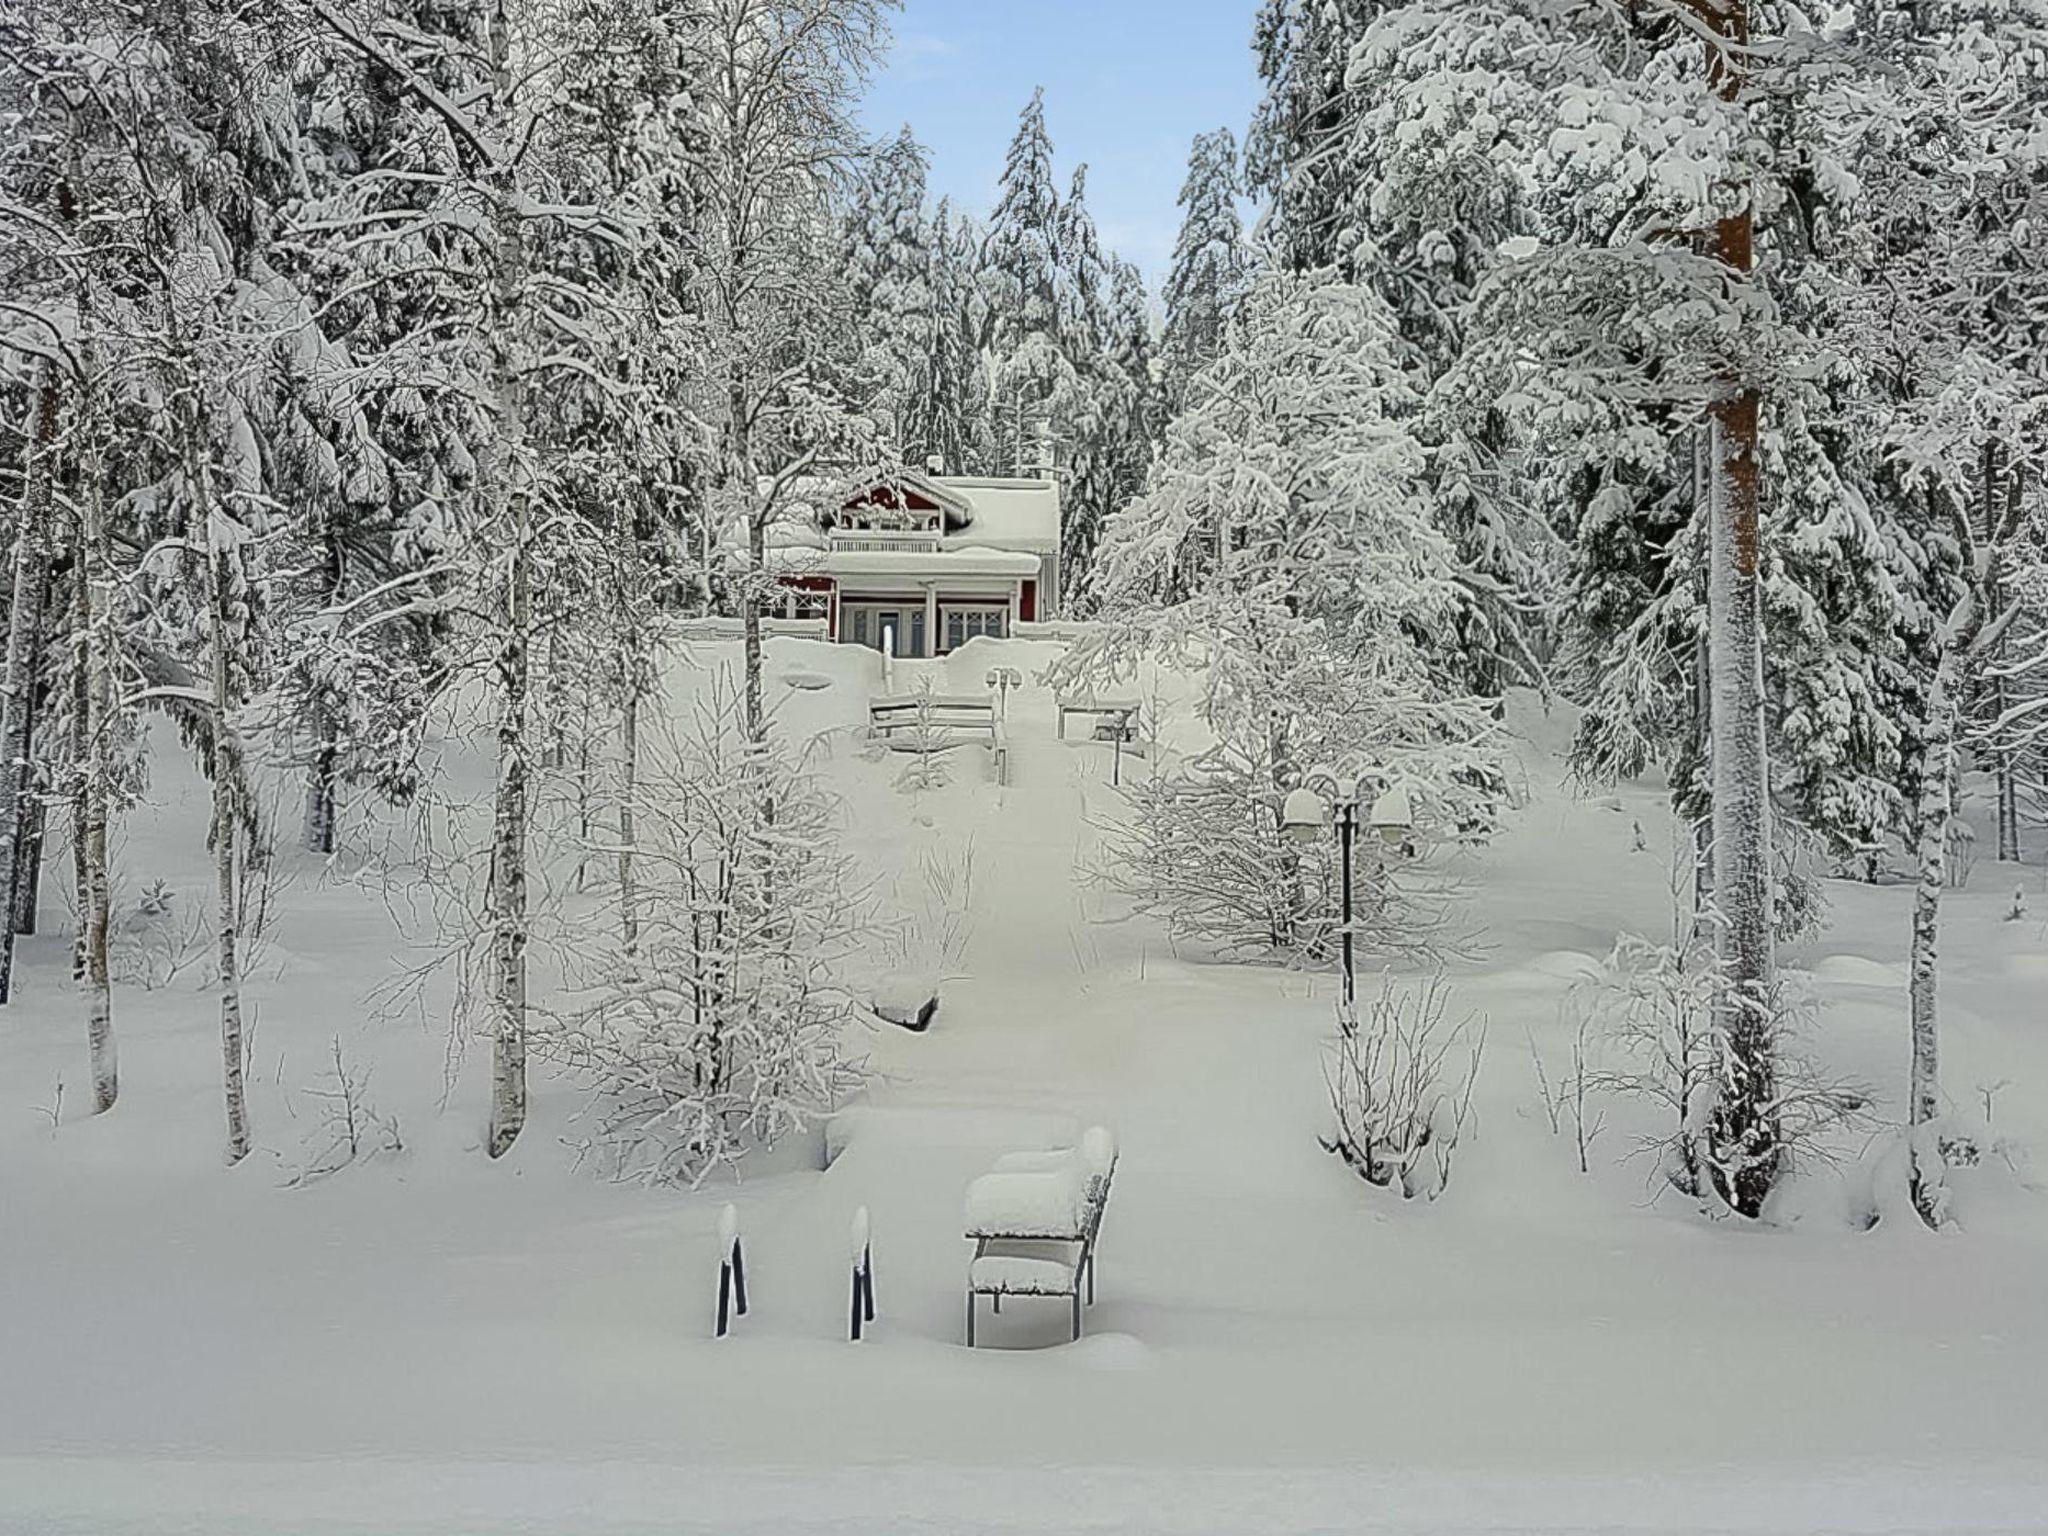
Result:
430,1341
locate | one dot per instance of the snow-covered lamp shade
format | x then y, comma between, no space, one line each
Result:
1393,814
1304,815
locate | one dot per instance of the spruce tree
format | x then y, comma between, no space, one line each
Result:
1210,264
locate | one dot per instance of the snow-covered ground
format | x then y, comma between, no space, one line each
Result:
431,1341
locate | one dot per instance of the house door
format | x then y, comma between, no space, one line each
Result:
866,623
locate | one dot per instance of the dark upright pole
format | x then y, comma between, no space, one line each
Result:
1347,819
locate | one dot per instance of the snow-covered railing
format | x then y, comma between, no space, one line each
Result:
888,543
1052,629
722,627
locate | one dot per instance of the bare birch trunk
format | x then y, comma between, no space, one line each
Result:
1934,817
82,717
508,914
508,859
226,840
95,696
24,654
629,781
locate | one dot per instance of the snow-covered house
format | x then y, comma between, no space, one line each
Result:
929,560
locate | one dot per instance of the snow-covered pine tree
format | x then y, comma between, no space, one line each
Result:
891,293
488,91
1210,265
1091,409
1406,168
1020,268
1282,553
1304,50
951,416
1955,195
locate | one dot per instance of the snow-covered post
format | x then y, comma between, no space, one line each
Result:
861,1250
732,1270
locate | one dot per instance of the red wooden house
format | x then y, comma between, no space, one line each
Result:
925,562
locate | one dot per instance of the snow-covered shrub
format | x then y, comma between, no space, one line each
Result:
1400,1082
925,740
1283,557
1653,1011
726,1024
348,1128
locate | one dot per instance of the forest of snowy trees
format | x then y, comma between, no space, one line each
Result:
1685,360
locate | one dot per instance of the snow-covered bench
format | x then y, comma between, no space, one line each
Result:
937,712
1113,717
1034,1219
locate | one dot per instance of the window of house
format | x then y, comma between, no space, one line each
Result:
959,625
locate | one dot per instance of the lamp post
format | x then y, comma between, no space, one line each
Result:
1305,813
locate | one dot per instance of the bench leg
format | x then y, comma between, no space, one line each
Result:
1077,1312
1091,1279
970,1319
996,1301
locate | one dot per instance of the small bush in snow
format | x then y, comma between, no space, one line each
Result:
725,1025
350,1128
1653,1015
1400,1082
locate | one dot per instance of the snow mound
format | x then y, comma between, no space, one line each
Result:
1567,964
1857,971
908,998
807,682
1112,1352
2027,967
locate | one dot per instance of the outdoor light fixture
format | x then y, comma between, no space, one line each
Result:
1303,815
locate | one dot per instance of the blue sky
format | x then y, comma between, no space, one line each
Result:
1127,84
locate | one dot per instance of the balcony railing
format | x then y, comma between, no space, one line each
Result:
895,541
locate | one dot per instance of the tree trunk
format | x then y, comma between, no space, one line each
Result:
756,713
95,698
226,839
629,776
1744,1152
321,809
504,473
1933,822
24,654
82,726
508,860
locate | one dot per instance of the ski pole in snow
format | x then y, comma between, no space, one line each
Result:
732,1270
863,1254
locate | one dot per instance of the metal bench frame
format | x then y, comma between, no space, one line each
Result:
940,712
1093,1202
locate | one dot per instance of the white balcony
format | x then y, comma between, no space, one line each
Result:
892,541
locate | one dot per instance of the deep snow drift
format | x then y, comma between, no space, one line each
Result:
431,1341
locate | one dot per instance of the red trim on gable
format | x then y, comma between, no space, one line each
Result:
895,498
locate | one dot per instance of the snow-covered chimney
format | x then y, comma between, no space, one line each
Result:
935,464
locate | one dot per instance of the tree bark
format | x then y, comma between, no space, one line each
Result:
24,653
321,800
1934,817
1744,1148
226,840
629,777
82,717
95,696
505,472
